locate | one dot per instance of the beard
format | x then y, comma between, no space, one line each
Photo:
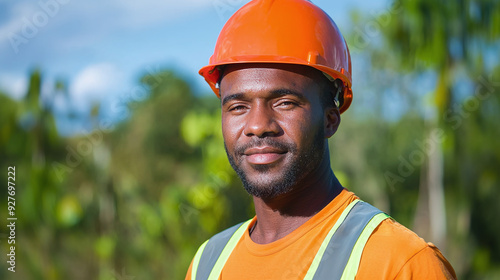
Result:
266,186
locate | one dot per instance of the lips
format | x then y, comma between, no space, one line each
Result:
263,155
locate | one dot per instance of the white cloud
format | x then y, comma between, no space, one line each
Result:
108,15
14,86
95,82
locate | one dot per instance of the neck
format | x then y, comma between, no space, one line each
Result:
279,216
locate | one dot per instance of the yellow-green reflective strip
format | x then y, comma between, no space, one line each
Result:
352,266
196,260
224,255
324,245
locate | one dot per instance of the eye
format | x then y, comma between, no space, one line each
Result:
286,104
237,108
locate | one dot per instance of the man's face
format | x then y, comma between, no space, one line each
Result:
274,125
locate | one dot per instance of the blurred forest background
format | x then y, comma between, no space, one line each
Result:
133,199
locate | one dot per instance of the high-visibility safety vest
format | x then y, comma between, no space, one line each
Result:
338,256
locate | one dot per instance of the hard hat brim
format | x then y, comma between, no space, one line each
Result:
211,72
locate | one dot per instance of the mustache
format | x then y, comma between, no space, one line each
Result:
259,142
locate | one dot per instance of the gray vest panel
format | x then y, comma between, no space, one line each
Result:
340,246
213,250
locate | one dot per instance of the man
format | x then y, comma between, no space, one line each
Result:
282,71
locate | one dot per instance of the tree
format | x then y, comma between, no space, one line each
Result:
453,43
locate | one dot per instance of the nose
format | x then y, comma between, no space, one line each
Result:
261,122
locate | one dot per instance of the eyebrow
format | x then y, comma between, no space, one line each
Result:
274,93
284,91
232,97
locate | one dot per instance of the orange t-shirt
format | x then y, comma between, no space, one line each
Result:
392,251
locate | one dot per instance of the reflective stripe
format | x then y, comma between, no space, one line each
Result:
337,258
216,251
353,263
221,261
319,255
196,260
340,247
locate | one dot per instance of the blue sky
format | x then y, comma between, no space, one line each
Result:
101,48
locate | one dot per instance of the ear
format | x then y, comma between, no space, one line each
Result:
332,120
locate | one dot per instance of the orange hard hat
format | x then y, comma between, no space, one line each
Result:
282,31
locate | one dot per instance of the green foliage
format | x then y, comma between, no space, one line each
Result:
144,195
453,43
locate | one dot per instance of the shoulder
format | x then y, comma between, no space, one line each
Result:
394,236
217,243
395,251
210,251
214,246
